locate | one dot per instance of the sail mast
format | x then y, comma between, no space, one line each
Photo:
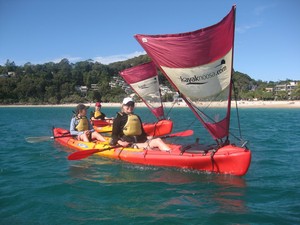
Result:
230,87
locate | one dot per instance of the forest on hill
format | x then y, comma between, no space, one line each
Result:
57,83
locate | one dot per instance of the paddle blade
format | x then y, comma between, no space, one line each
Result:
181,134
87,153
38,139
82,154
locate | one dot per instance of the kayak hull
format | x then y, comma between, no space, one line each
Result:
100,123
228,159
103,129
159,128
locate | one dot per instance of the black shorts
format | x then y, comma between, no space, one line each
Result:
135,139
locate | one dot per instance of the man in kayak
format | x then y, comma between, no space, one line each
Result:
128,131
82,127
98,115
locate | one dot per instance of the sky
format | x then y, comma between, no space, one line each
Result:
267,32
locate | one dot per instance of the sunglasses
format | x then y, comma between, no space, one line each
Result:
131,104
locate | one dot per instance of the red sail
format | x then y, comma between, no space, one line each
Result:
143,79
199,65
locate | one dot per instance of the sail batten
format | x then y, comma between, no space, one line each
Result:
198,64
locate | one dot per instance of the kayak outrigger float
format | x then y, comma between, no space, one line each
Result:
229,159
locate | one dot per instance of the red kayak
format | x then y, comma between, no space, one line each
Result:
159,128
100,123
229,159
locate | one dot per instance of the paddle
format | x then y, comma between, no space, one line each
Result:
179,134
86,153
44,138
48,138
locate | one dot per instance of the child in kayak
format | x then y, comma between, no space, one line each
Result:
82,127
98,115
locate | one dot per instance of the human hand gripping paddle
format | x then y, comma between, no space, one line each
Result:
86,153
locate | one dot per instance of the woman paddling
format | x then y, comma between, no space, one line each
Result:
128,131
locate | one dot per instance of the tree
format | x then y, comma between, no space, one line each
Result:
167,97
96,96
55,82
281,95
296,92
10,65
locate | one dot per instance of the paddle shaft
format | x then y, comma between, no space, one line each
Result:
44,138
48,138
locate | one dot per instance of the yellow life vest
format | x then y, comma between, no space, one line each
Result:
97,114
83,124
133,126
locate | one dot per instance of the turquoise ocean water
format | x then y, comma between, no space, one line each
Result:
38,185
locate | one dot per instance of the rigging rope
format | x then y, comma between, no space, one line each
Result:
170,109
188,127
202,111
237,110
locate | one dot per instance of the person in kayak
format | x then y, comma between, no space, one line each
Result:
82,127
128,131
98,115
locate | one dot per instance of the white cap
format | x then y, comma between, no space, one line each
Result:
127,100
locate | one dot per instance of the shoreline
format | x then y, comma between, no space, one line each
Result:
241,104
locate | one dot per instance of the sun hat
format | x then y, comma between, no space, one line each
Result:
98,104
128,101
81,107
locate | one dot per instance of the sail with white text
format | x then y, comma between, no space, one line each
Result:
199,66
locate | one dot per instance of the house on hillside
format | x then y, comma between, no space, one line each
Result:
94,87
82,89
270,89
288,88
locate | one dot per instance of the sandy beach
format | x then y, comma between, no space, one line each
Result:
241,104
